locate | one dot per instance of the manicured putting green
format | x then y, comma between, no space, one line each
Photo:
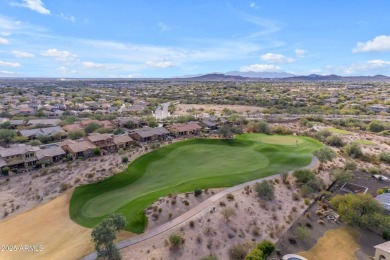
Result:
184,166
338,131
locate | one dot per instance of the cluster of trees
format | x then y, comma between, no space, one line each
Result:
361,210
308,182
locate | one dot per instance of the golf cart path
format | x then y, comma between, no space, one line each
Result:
204,206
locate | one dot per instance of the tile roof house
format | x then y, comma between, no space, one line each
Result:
122,141
149,134
19,156
33,133
50,154
78,148
104,141
45,122
190,128
72,127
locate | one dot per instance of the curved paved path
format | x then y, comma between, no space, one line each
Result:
204,206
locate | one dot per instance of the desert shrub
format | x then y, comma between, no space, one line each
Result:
341,176
230,196
302,233
64,186
303,176
307,201
192,223
334,140
281,130
227,213
176,240
125,159
374,170
296,196
385,157
238,252
350,165
265,190
325,154
354,150
255,254
376,126
155,145
197,192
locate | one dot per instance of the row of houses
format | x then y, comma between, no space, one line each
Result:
23,156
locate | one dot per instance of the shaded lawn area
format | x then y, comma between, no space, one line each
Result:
341,243
184,166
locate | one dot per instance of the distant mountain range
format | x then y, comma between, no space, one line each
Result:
278,76
267,75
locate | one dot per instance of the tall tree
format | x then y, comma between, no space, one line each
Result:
104,234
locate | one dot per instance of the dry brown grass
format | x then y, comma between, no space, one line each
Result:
48,225
339,243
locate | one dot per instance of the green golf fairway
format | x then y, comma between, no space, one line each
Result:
184,166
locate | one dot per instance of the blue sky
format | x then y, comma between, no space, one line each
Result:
101,38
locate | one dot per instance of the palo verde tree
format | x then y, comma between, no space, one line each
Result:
104,234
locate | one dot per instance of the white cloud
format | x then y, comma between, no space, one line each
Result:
3,41
34,5
94,65
163,27
300,53
379,43
276,58
68,18
22,54
160,64
253,5
9,64
372,66
64,56
260,68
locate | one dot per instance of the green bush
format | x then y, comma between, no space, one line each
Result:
303,176
96,151
376,126
386,235
334,140
125,159
176,240
385,157
197,192
267,247
341,176
354,150
265,190
325,154
255,254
